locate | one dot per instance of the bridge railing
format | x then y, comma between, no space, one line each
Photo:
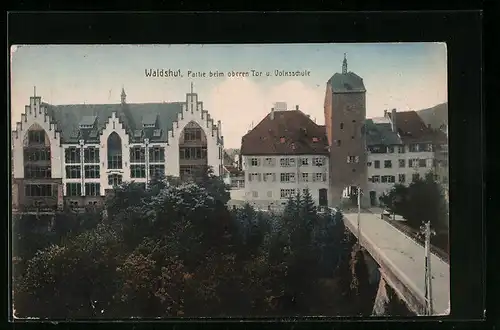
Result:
386,263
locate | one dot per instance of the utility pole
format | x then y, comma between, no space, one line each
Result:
428,273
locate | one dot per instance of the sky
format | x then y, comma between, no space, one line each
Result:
405,76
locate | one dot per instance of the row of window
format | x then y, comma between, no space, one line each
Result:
392,178
115,162
75,189
72,155
193,153
284,193
138,155
414,147
139,171
39,190
90,171
192,134
36,154
287,177
402,163
288,193
37,172
72,189
93,171
287,162
401,178
91,188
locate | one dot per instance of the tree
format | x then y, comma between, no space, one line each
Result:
423,200
308,208
176,250
72,281
396,199
215,185
124,196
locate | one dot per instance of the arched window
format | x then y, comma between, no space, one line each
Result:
36,154
193,151
114,151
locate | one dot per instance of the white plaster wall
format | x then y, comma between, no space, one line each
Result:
380,187
35,114
192,111
103,152
274,187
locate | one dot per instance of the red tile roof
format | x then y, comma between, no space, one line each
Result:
412,129
291,132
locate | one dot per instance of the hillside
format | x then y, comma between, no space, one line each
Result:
435,116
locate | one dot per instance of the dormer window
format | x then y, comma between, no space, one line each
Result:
149,121
315,139
86,126
87,122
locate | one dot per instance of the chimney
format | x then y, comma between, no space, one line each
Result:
280,106
393,121
271,115
297,107
385,113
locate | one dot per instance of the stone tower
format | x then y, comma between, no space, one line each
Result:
345,114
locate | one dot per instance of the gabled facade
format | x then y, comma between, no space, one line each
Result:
80,151
400,149
284,154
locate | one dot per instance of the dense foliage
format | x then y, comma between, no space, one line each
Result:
176,250
421,201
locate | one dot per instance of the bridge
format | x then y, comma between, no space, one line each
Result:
397,258
400,261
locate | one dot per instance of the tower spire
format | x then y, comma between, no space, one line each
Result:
344,64
123,96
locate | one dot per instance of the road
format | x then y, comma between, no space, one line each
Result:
405,256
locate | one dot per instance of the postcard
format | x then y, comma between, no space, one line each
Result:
241,180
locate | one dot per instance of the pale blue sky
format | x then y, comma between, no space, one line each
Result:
400,75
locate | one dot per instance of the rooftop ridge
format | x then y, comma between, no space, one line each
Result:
108,104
